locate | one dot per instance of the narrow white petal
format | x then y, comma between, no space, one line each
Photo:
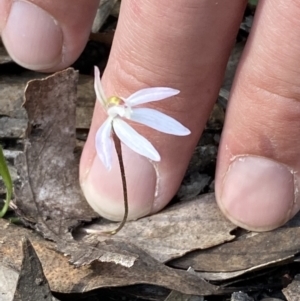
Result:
134,140
98,87
116,110
104,143
150,94
159,121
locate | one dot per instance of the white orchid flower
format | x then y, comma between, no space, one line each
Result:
119,108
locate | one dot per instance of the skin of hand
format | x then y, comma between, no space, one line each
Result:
184,44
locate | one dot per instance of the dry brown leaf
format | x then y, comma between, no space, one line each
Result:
85,254
50,195
13,117
65,278
254,252
181,228
220,276
61,275
32,283
292,291
8,282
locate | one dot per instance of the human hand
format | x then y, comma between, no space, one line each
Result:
46,35
184,45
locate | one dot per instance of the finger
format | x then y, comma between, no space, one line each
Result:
257,176
46,35
179,44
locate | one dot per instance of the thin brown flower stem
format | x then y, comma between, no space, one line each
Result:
124,184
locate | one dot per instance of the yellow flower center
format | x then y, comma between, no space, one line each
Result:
114,101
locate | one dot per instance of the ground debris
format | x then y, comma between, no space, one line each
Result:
32,283
240,296
292,291
65,278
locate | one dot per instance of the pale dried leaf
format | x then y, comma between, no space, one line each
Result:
104,10
85,254
219,276
14,120
243,255
8,282
292,291
116,9
177,230
50,196
64,278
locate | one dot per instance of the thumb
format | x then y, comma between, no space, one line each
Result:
46,35
168,44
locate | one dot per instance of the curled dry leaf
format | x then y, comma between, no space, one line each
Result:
50,196
254,252
64,278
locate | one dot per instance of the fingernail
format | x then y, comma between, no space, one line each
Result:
32,37
103,189
258,193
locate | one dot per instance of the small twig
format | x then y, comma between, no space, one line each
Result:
124,184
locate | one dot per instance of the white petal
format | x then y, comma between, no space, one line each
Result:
134,140
150,94
104,143
98,87
159,121
117,110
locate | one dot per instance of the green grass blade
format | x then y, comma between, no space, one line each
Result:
253,2
4,173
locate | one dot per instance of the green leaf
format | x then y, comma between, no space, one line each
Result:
253,2
4,173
